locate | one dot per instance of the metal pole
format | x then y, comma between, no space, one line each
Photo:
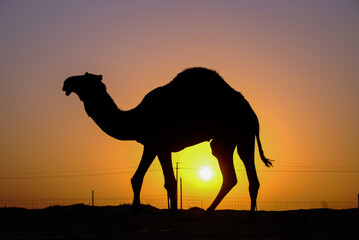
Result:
181,191
176,183
176,171
168,201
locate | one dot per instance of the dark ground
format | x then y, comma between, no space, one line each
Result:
86,222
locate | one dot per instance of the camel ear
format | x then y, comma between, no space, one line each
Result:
100,77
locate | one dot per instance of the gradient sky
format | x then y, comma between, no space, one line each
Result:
296,62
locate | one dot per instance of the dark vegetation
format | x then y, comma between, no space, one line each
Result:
87,222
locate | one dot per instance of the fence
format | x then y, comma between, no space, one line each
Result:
161,202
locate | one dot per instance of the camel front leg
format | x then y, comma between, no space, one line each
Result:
148,156
170,180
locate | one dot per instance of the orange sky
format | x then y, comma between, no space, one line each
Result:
295,62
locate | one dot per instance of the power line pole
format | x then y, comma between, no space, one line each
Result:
168,201
176,183
181,191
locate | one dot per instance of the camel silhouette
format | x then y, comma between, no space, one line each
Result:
196,106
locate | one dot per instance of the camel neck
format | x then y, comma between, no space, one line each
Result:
113,121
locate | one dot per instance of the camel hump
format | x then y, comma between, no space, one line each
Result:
199,77
194,87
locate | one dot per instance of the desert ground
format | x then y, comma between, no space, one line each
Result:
117,222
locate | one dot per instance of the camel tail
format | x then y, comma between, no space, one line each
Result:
266,161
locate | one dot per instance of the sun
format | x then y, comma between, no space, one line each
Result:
205,173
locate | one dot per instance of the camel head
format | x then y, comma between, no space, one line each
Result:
83,84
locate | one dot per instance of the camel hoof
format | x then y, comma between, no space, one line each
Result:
208,212
173,212
252,214
135,210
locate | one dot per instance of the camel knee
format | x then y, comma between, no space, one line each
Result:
171,187
136,187
253,189
136,183
230,182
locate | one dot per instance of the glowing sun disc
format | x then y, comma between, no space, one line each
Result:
205,173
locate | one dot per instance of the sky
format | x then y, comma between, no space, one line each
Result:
296,62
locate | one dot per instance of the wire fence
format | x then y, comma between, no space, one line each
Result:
162,203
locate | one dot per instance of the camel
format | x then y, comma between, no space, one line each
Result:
196,106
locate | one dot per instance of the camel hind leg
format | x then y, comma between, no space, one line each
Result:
223,151
245,151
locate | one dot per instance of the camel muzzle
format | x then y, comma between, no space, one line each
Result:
67,92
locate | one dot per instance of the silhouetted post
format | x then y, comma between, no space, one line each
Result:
168,201
181,191
177,182
93,198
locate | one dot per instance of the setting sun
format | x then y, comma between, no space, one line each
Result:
206,173
293,62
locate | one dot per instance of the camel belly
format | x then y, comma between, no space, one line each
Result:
177,139
183,130
176,144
